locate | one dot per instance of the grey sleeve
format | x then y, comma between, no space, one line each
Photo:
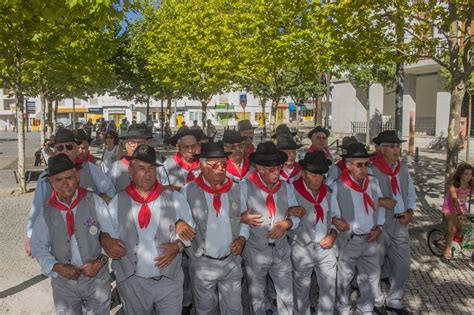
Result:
40,247
103,183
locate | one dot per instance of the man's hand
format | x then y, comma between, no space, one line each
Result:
106,198
279,229
374,234
297,212
328,240
340,224
184,231
387,203
406,217
170,252
253,220
67,271
27,247
114,248
237,246
91,268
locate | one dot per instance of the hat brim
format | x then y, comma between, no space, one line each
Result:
297,146
315,169
131,158
213,156
391,141
274,160
294,133
251,128
78,142
325,131
47,174
136,137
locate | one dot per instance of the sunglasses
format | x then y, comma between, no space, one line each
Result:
215,166
61,147
361,164
392,145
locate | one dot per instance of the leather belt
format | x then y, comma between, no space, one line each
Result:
156,278
214,258
271,244
358,235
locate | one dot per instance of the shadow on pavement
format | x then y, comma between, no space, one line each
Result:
22,286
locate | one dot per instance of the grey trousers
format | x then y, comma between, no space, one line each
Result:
259,263
148,296
216,282
89,295
357,252
394,244
323,262
187,291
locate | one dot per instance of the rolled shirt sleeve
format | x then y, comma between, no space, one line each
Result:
381,213
335,210
112,226
40,247
183,211
292,202
244,228
101,180
411,197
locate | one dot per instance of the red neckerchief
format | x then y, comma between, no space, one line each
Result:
53,201
294,172
232,169
301,188
311,149
190,167
254,178
341,164
125,161
78,161
327,153
144,215
383,166
249,150
216,201
347,179
90,158
376,156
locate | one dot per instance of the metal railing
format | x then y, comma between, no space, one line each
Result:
361,126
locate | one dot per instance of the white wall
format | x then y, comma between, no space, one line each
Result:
442,108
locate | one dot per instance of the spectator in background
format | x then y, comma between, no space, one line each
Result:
111,126
183,127
124,127
111,150
195,125
167,136
211,130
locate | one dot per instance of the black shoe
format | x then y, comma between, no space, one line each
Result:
385,280
399,311
270,312
380,310
187,309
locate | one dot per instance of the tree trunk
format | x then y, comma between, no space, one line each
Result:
457,94
20,112
168,109
147,111
55,116
469,121
297,114
400,82
319,109
273,115
263,102
43,117
50,118
204,110
367,132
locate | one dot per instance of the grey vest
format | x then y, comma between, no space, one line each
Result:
346,204
86,178
304,234
384,182
126,266
199,210
175,173
119,175
89,245
257,205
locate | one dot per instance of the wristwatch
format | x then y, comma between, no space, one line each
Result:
180,246
380,227
103,259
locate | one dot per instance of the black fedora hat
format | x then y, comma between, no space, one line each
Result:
182,132
200,135
315,162
318,129
59,163
245,125
65,135
281,130
376,140
213,150
138,131
232,136
388,136
348,140
81,135
286,142
356,150
267,154
144,153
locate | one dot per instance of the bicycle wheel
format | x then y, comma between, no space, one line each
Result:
436,242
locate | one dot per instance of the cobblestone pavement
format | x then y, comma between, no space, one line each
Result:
435,286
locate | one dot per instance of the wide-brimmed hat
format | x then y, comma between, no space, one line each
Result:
138,131
283,129
356,150
388,136
144,153
232,136
286,142
213,150
245,125
267,154
315,162
65,135
182,132
348,140
318,129
82,135
59,163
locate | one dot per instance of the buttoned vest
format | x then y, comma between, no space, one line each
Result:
384,182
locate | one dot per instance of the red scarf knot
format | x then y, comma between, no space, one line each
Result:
90,158
125,161
326,151
295,171
270,202
53,201
303,191
341,164
144,216
383,166
78,161
190,167
232,169
216,200
347,179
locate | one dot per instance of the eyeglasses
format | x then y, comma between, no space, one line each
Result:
391,145
361,164
61,147
215,166
273,169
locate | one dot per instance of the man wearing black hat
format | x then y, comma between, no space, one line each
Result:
397,185
142,240
247,131
267,251
283,130
319,141
83,146
359,220
65,241
291,170
215,263
336,170
312,247
238,167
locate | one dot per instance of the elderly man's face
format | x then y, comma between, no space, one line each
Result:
269,174
312,180
83,149
65,183
143,174
358,168
237,150
291,156
187,148
132,144
319,140
248,136
214,170
68,148
391,151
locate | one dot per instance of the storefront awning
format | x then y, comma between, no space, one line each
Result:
69,110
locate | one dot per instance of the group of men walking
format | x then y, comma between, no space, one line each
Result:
184,234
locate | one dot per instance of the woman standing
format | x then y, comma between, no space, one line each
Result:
112,150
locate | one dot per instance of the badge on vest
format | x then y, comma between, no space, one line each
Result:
234,206
92,225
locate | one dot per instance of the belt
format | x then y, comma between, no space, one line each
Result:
156,278
271,244
358,235
398,216
214,258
